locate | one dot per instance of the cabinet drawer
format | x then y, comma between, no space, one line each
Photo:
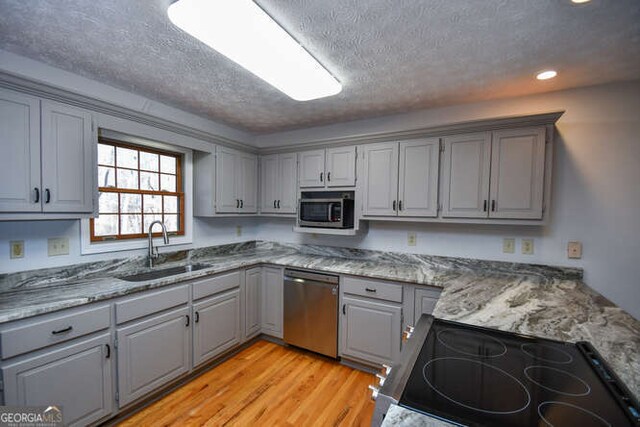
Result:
32,335
151,302
214,285
372,289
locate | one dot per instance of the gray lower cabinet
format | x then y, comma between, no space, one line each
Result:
152,352
252,306
371,330
272,298
216,325
76,377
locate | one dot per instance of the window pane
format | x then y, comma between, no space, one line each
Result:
168,164
130,203
148,219
108,203
127,158
106,177
130,224
167,182
171,222
106,154
127,179
152,204
171,204
148,161
149,181
105,225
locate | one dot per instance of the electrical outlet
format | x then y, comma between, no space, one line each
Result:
238,230
527,246
58,246
574,250
16,249
509,245
411,238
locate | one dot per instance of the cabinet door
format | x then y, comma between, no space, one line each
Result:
311,171
272,281
216,325
418,183
465,175
371,331
76,377
287,199
341,167
380,188
517,173
152,352
227,186
269,183
253,284
69,159
19,153
248,183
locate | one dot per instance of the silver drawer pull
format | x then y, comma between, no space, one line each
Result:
62,331
370,289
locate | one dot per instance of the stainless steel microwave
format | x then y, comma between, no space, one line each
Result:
320,211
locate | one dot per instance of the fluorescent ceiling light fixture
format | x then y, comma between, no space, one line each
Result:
244,33
546,75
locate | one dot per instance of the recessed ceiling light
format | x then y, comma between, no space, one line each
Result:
580,1
244,33
546,75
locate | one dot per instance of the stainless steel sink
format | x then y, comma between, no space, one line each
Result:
160,273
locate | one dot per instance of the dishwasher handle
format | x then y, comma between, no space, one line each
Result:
297,275
289,281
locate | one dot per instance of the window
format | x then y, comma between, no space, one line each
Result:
137,185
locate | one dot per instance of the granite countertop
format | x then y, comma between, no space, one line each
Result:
550,302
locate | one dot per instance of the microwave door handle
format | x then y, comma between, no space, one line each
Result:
329,206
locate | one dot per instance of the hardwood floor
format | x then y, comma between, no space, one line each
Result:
267,385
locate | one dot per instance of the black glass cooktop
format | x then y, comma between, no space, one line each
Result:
483,377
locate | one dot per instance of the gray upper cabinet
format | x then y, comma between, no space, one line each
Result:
252,298
333,167
76,377
401,179
236,181
498,174
278,183
216,326
69,159
517,173
47,156
465,175
19,152
152,352
272,299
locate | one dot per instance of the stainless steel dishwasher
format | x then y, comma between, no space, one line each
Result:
311,311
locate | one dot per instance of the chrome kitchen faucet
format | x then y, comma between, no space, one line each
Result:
153,254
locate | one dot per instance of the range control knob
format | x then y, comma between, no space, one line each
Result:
374,392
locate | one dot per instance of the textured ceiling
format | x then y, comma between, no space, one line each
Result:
390,55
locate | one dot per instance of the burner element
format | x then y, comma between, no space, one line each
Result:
557,380
471,343
547,353
562,414
489,381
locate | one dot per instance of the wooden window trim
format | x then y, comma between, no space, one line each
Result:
119,191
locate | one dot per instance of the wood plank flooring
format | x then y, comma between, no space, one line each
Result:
267,385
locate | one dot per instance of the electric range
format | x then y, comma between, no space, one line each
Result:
474,376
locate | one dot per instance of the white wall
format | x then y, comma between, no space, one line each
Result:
596,190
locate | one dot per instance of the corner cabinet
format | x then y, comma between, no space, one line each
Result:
401,178
496,174
47,156
236,181
278,183
333,167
